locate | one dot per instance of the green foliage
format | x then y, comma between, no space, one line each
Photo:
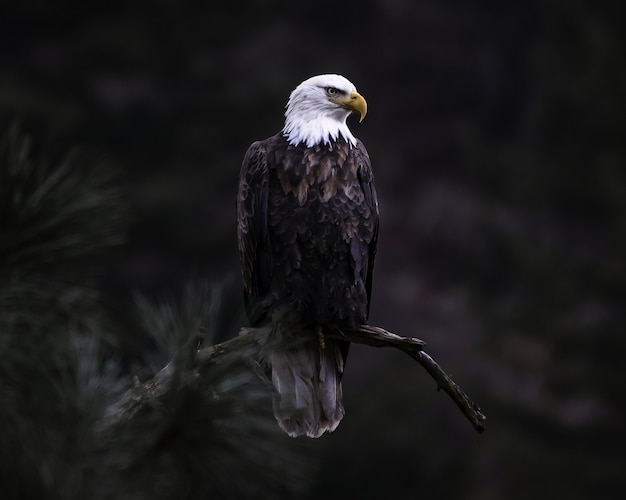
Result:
54,216
212,438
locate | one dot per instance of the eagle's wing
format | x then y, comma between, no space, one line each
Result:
366,178
252,230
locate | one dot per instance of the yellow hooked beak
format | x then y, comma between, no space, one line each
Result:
354,102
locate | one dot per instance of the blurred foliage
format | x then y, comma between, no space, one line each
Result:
58,376
496,136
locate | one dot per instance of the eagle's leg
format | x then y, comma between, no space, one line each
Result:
320,336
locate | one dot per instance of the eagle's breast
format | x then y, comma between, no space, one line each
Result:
317,219
324,180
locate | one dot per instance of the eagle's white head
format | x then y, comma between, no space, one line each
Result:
318,108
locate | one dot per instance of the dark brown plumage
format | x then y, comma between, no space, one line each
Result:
307,232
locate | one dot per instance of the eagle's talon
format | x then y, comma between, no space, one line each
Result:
320,336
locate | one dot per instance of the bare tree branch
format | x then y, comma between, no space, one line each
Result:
245,348
379,337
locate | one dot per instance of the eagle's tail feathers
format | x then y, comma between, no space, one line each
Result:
308,398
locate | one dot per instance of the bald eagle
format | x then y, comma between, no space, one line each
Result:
307,230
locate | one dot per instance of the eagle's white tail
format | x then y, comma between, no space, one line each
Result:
306,374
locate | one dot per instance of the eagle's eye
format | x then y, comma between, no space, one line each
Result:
332,91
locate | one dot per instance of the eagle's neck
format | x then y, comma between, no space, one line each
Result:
312,126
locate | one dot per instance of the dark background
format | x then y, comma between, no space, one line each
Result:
497,140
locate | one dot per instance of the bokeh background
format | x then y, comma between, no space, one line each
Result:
497,138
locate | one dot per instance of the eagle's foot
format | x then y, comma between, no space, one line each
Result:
321,338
